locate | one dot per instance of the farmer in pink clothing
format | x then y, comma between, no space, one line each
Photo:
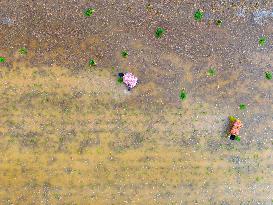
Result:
129,80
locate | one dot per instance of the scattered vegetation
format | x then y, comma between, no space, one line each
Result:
89,12
218,22
238,138
198,15
242,106
23,51
92,62
268,75
124,54
211,72
159,32
120,79
183,95
258,179
262,41
2,59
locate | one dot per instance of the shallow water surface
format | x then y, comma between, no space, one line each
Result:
71,134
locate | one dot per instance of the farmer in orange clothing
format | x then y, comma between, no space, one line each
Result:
236,126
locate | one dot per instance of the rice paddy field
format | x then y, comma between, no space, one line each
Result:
72,134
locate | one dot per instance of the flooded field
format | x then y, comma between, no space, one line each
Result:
71,134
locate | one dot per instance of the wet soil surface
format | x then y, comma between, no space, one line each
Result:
71,134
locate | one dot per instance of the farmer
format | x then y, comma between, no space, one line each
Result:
234,132
129,80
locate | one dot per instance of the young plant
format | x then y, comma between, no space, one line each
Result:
211,72
268,75
183,95
159,32
242,106
2,59
23,51
218,22
198,15
120,80
89,12
262,41
124,54
92,62
238,138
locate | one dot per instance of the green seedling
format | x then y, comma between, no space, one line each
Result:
218,22
89,12
23,51
124,54
159,32
198,15
120,80
2,59
211,72
238,138
262,41
268,75
183,95
92,62
242,106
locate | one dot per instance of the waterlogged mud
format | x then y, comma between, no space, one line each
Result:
71,134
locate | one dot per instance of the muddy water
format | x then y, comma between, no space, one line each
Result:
70,134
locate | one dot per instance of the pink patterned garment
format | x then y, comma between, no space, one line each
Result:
130,80
236,127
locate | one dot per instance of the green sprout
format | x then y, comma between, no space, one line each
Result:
218,22
120,80
262,41
238,138
268,75
159,32
2,59
198,15
183,95
89,12
23,51
242,106
211,72
92,62
124,54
